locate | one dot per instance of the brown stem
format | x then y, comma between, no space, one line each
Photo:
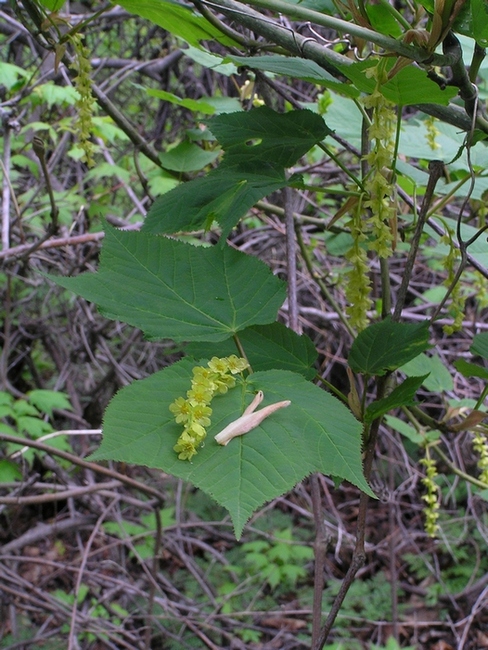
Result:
359,555
291,260
40,151
152,586
392,543
436,170
62,495
320,548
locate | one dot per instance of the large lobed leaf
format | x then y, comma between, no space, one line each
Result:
174,290
259,145
315,433
267,347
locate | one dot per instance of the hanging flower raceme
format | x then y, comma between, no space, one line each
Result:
458,300
85,102
194,411
358,287
379,184
480,446
376,231
432,132
431,497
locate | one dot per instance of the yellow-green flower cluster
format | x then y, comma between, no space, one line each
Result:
86,101
432,133
194,412
431,498
479,289
480,446
379,184
358,281
458,300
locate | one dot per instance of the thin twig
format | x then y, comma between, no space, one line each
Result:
130,192
6,185
463,245
99,469
40,151
436,170
70,493
338,312
392,542
75,240
155,570
320,549
42,531
71,639
291,260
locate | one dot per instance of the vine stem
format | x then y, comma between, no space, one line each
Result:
281,35
332,61
155,570
392,542
414,53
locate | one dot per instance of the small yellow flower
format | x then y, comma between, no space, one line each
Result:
201,414
185,447
207,383
201,374
237,364
432,133
199,395
223,384
196,432
86,101
220,366
480,446
181,409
